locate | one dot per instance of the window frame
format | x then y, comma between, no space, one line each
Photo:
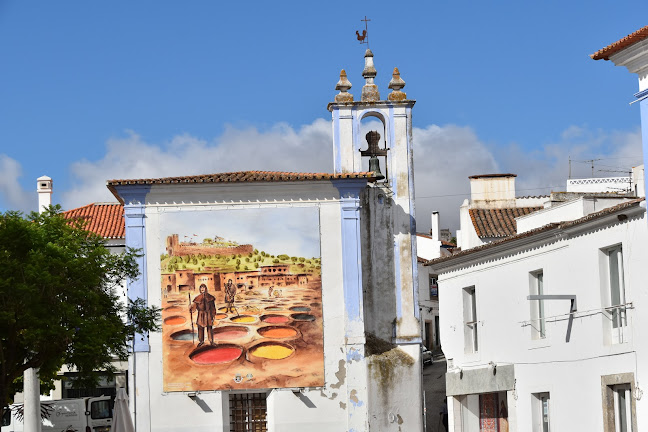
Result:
471,323
538,318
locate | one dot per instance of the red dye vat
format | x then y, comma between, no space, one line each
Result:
217,355
275,319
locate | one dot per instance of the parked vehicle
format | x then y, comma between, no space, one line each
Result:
89,414
426,356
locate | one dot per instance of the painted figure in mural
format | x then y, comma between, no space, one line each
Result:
270,291
230,294
205,304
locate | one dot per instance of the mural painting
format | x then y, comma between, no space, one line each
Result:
242,304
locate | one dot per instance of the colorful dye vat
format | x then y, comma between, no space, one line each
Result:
272,350
277,332
300,309
184,335
175,320
230,332
274,308
220,316
243,319
216,354
174,309
303,317
275,319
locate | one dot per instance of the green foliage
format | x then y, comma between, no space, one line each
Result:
59,302
276,261
283,257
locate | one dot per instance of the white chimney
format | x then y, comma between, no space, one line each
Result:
434,232
489,191
44,188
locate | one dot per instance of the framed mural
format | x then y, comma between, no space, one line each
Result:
241,299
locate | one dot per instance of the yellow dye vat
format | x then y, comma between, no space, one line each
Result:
244,319
275,352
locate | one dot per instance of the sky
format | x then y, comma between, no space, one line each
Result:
277,231
92,91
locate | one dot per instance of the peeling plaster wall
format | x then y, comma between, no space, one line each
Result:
378,263
392,392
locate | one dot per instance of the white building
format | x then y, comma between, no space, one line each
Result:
371,374
429,247
571,360
490,212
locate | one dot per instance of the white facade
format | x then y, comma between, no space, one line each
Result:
530,353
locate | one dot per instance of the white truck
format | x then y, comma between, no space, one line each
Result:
89,414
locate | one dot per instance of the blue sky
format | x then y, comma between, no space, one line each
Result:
91,91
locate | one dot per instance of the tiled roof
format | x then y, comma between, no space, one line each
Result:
552,226
104,219
617,46
498,222
246,176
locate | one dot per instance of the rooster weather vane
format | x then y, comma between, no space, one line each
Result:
363,37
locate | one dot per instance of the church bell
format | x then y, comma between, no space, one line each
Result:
373,151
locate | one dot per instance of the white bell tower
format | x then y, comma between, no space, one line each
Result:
389,301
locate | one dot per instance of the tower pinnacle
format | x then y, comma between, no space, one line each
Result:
370,91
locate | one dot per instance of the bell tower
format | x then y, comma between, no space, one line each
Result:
389,300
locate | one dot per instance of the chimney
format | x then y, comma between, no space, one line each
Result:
434,232
488,191
44,188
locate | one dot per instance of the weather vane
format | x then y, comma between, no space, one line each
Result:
363,37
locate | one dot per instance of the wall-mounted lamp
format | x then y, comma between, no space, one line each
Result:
493,366
192,395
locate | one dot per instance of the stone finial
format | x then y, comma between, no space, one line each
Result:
370,91
396,84
343,86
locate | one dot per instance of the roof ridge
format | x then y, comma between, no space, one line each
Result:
530,233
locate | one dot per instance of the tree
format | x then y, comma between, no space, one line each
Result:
58,301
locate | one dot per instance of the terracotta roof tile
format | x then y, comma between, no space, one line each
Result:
552,226
631,39
106,220
245,176
491,223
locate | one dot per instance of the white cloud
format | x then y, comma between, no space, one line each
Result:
445,156
281,148
12,194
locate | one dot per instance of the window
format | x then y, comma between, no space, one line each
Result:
616,301
470,320
619,402
541,412
6,417
622,408
434,286
101,409
538,322
248,412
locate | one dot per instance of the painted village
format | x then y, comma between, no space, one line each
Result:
270,335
